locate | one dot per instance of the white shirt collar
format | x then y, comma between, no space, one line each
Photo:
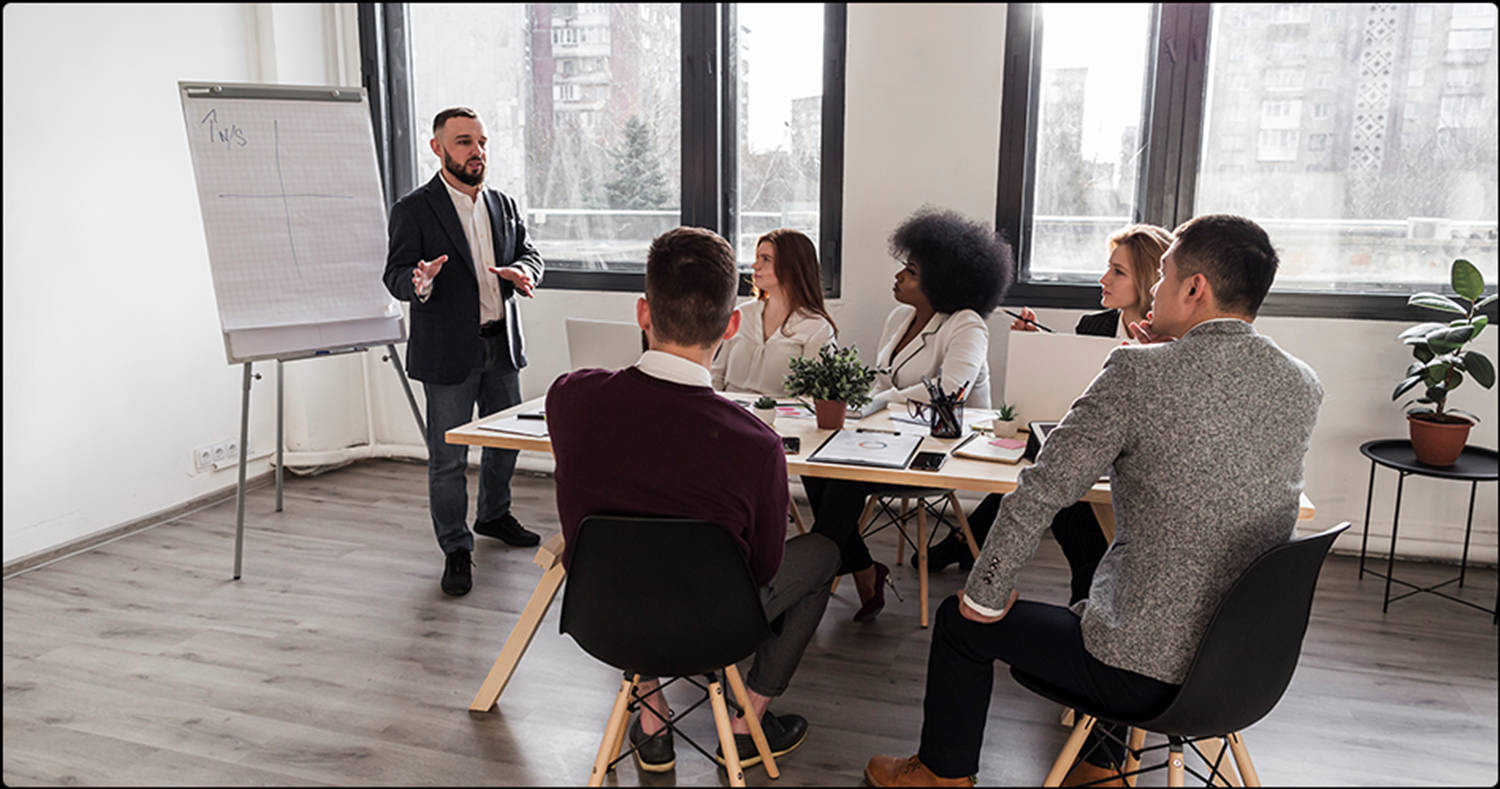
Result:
457,193
663,365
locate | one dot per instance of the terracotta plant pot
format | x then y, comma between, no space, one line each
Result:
830,413
1438,443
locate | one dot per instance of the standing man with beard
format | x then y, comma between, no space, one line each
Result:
459,253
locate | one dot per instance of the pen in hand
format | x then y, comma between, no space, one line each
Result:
1021,317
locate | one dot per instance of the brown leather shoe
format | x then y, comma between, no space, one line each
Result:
1086,773
891,771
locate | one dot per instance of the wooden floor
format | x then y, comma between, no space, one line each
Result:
337,660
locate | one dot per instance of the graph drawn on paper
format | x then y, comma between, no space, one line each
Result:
292,208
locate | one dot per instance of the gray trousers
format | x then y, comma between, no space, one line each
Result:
798,592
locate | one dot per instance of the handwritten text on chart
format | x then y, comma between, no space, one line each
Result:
232,137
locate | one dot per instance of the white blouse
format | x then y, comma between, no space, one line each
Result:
749,362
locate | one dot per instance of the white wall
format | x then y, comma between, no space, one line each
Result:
114,364
110,381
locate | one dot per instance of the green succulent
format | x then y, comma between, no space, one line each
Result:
765,401
834,374
1005,412
1441,361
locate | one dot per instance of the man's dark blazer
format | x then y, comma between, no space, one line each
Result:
445,344
1099,324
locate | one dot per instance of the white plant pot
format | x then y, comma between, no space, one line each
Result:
1004,428
767,415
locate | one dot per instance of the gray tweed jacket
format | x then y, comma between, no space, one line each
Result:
1207,436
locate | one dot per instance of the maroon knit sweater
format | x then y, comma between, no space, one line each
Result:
627,443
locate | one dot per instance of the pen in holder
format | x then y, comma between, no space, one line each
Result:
945,414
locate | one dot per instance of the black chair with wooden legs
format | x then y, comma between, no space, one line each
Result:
1242,668
667,598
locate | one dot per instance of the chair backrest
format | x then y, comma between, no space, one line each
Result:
661,596
1250,649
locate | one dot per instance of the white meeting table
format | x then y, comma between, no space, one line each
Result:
957,473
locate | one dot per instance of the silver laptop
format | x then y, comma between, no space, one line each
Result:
611,345
1045,373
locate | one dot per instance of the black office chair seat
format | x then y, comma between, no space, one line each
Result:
1241,669
666,598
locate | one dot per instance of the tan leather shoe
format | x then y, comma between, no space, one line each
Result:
1085,773
891,771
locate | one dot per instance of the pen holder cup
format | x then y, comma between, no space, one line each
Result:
946,419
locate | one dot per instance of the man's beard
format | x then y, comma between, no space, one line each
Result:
461,172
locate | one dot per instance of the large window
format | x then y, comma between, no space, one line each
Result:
611,123
1362,137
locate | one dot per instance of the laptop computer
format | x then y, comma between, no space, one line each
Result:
611,345
1045,373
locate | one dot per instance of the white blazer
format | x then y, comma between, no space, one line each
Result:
749,362
952,349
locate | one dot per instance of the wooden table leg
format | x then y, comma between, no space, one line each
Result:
549,557
922,556
796,516
1105,512
963,523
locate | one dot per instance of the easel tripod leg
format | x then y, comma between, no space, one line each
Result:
411,400
239,504
280,433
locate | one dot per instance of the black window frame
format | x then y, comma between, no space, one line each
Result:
1172,117
709,90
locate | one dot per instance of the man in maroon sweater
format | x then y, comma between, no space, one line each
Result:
656,439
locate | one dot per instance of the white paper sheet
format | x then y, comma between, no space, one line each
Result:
887,450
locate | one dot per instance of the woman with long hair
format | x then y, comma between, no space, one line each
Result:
785,320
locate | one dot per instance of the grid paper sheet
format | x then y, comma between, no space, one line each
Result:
292,210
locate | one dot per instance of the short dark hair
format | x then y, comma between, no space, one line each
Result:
1233,253
451,112
964,264
691,283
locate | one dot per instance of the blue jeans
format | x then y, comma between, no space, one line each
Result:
495,387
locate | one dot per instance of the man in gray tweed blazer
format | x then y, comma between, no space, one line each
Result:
1202,484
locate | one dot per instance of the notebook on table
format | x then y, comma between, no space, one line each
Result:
999,450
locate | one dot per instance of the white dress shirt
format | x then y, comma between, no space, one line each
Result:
952,349
751,362
474,217
670,367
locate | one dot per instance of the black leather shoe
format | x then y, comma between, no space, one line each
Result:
654,754
783,734
508,530
457,579
947,551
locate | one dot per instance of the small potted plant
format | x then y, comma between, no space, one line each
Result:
835,380
1438,434
765,408
1004,425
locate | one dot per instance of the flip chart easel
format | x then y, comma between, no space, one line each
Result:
294,217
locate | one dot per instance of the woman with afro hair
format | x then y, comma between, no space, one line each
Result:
954,271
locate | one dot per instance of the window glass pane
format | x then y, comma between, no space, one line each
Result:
1093,61
582,103
1391,174
780,121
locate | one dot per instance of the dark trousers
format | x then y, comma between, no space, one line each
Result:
1042,640
836,505
493,387
1074,527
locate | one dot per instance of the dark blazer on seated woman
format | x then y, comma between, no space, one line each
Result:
1099,324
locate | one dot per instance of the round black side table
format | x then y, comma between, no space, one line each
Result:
1475,465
